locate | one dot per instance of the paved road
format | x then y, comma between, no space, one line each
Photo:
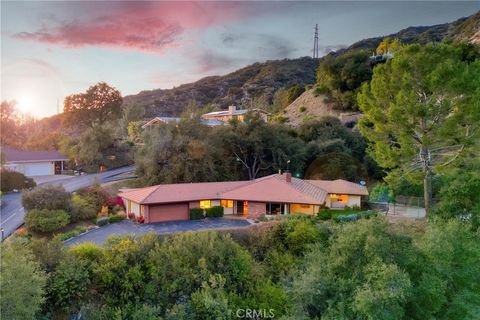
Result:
12,213
125,227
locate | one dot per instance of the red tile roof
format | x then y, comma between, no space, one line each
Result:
340,186
272,188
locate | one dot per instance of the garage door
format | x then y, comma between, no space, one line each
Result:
168,212
38,169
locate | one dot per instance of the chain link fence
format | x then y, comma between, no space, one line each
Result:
403,206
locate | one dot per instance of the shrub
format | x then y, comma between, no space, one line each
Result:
302,109
116,209
66,235
47,197
87,250
103,212
325,214
83,208
46,220
303,233
368,214
102,221
72,233
131,215
294,92
196,214
11,180
99,195
347,217
215,212
381,193
115,218
21,232
140,219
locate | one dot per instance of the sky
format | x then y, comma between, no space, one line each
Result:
53,49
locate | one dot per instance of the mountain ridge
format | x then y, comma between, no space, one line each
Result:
265,78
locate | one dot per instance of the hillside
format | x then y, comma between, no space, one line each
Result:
238,87
462,30
258,79
310,107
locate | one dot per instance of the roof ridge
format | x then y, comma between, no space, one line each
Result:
318,187
150,193
289,184
247,183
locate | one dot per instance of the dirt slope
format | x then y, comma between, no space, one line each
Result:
310,107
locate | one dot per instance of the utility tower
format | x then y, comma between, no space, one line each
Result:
315,43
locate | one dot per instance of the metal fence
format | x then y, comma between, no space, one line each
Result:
408,207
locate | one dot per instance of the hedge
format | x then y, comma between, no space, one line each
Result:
215,212
45,220
196,214
325,214
116,217
10,180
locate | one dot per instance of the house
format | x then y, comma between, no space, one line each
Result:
274,194
234,114
157,120
208,122
34,163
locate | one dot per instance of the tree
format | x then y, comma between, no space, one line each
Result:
22,282
421,111
263,148
99,104
388,45
461,198
341,76
93,143
135,130
11,134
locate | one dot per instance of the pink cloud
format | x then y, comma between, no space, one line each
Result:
146,26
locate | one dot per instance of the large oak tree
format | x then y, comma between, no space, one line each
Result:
99,104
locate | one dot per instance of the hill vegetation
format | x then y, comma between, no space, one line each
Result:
258,83
292,269
238,88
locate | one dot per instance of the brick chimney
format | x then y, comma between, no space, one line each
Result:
232,109
288,176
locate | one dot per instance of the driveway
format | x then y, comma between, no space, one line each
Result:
50,178
12,213
125,227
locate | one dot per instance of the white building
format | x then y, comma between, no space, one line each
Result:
34,163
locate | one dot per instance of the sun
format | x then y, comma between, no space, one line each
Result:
25,104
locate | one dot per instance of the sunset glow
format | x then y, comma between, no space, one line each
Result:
26,104
59,48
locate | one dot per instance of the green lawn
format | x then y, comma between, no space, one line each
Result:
336,213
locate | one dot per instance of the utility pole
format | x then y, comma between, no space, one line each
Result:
315,43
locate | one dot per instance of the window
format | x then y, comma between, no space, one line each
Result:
226,203
204,204
342,198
